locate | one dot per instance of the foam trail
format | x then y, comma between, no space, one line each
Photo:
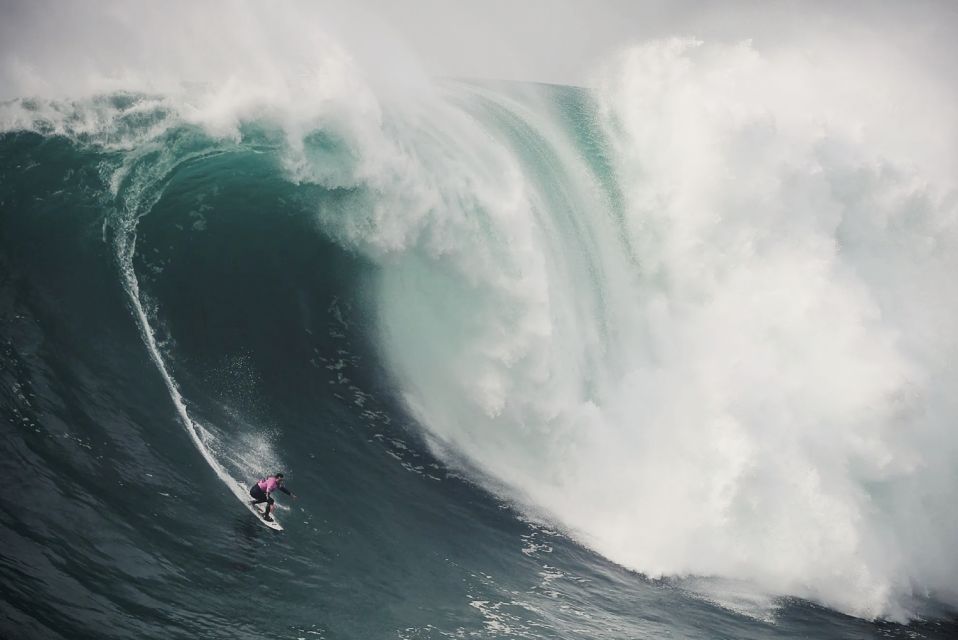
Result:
126,246
141,199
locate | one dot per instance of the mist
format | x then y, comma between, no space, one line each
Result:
53,48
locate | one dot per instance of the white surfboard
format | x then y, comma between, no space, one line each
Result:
259,509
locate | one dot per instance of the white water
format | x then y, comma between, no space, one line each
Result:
749,374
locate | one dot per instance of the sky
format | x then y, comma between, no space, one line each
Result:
561,41
46,45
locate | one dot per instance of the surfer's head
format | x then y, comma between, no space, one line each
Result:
279,476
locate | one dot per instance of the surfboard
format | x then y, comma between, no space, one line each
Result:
259,510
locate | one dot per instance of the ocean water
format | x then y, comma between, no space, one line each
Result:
668,357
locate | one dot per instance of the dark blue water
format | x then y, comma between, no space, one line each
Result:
114,525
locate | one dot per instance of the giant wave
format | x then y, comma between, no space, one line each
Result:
700,316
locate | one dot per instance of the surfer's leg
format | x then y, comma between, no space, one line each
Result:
269,505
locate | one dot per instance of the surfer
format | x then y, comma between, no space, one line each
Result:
261,492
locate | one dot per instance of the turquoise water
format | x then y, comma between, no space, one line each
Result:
520,392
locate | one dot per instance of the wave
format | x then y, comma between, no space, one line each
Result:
699,315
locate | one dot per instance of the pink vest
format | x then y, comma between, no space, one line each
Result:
268,485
